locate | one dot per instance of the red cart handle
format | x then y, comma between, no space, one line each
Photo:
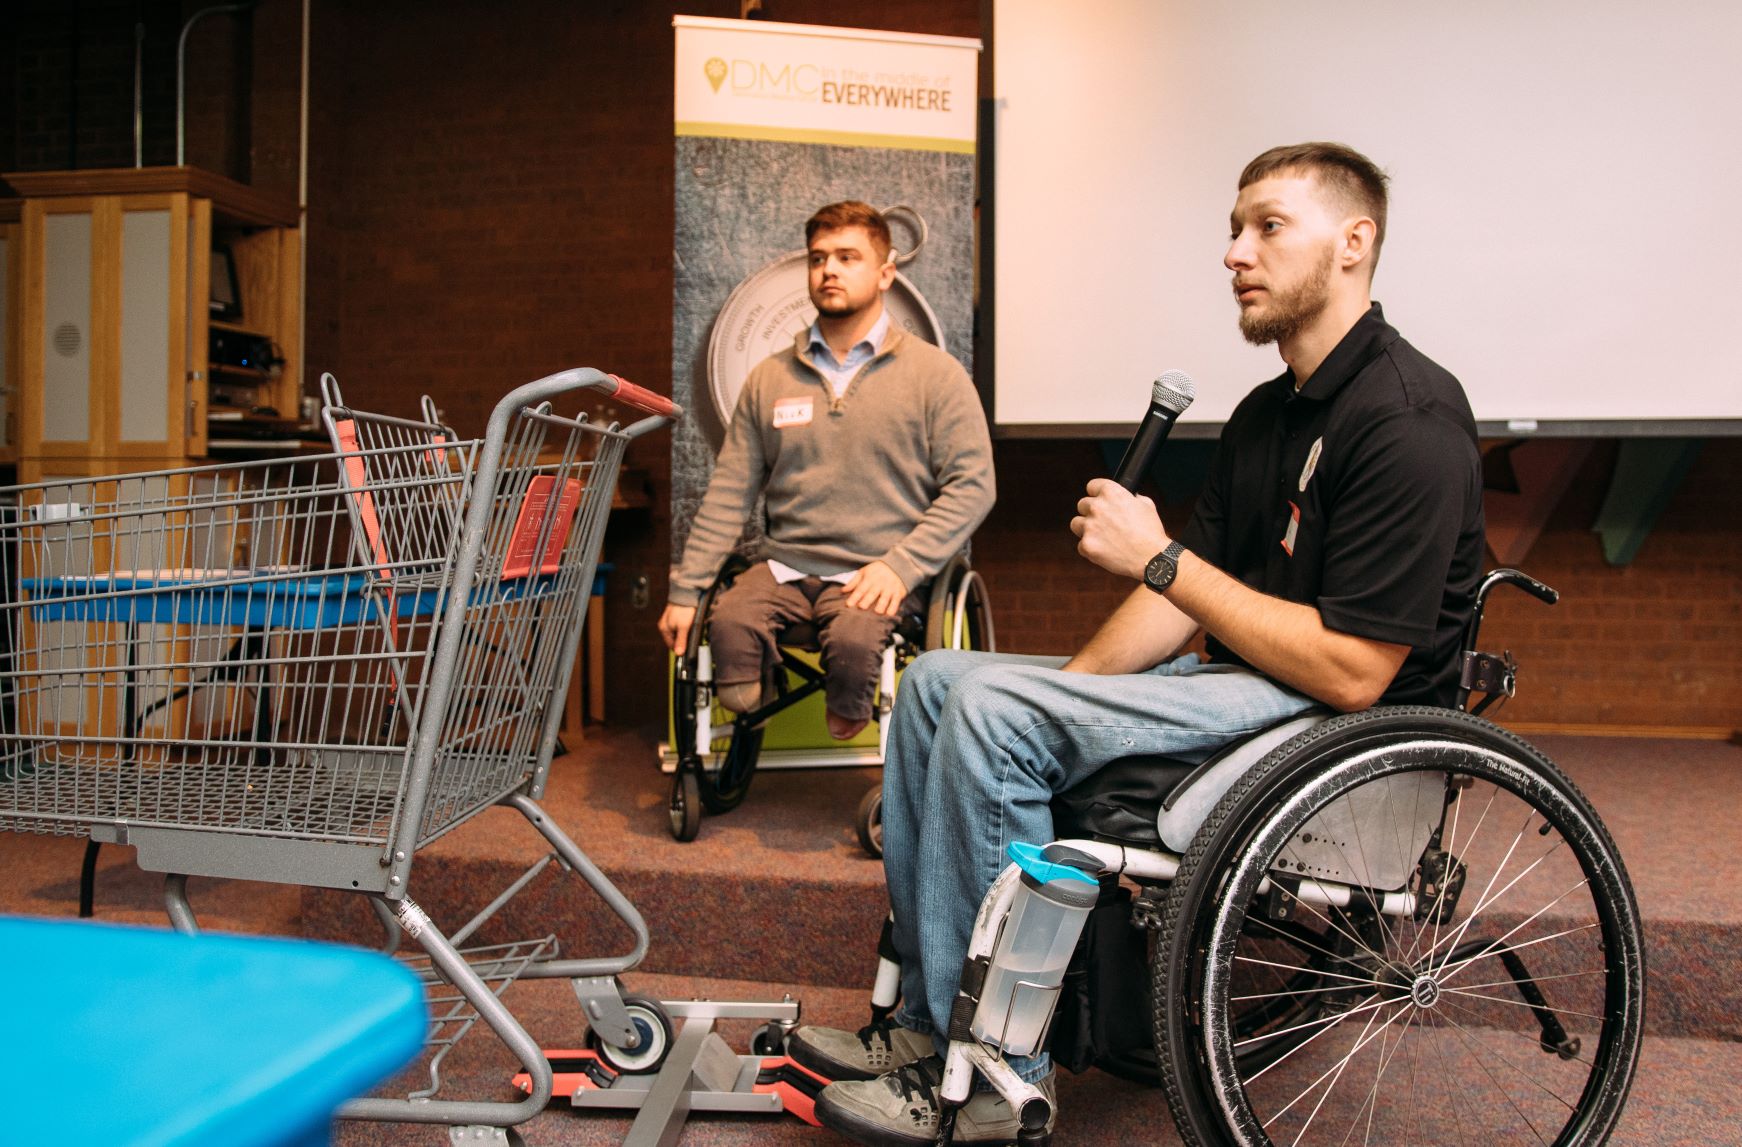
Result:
641,398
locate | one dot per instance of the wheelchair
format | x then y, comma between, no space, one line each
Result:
1404,925
717,752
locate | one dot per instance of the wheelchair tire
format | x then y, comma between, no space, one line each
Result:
722,779
685,808
724,784
940,631
1421,1025
869,822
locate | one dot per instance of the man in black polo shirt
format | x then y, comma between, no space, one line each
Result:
1332,558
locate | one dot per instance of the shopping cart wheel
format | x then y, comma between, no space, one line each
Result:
870,822
769,1039
652,1026
686,803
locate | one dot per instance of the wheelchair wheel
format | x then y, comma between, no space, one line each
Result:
1405,925
869,822
1255,1021
721,779
685,807
724,784
958,591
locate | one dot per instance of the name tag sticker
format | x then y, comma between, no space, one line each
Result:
1312,463
1293,528
792,412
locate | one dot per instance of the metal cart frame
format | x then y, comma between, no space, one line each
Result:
304,671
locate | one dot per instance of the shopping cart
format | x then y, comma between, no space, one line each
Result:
304,671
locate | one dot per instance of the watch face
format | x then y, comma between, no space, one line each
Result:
1159,573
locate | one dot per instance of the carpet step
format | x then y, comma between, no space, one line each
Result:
779,890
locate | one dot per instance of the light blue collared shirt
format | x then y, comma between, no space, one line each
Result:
840,374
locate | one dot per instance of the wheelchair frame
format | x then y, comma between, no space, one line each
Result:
714,777
1279,957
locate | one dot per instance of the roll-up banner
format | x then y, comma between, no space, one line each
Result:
772,122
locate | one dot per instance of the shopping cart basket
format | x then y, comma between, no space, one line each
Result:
304,671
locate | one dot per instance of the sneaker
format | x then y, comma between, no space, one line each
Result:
866,1054
901,1109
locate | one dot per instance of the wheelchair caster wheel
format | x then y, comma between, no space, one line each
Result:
686,805
870,823
769,1039
652,1027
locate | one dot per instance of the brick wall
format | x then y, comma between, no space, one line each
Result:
490,199
69,87
490,192
1656,643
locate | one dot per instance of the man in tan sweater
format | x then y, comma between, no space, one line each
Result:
871,448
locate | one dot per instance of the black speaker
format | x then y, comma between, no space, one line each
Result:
242,351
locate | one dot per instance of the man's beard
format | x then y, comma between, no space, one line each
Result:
1291,311
838,307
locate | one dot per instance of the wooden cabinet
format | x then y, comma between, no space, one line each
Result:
115,319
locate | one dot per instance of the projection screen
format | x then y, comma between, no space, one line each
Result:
1564,234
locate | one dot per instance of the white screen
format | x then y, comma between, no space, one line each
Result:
1564,235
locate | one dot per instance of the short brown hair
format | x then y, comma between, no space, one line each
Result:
1353,178
852,213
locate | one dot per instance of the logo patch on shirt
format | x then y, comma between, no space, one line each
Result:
792,412
1293,525
1312,463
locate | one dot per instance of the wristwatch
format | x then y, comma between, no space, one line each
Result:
1163,567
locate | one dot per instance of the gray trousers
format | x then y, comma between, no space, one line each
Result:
749,616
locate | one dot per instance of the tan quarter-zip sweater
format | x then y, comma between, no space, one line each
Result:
899,468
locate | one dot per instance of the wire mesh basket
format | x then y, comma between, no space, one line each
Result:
302,670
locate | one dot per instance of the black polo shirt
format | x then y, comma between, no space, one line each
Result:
1360,495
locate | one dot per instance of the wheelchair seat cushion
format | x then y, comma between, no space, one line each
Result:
1121,802
1159,802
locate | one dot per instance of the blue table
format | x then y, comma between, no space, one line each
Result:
131,1036
244,599
258,603
251,600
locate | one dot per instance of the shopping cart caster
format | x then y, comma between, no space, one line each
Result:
870,822
769,1039
686,804
652,1026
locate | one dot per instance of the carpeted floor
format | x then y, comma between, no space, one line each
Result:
777,897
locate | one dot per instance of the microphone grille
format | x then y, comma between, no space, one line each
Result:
1174,390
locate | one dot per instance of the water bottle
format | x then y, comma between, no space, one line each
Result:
1052,900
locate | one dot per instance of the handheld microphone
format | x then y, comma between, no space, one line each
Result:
1173,392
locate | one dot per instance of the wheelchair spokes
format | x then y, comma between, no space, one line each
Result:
1288,976
1490,994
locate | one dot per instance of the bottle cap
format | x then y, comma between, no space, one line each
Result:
1039,870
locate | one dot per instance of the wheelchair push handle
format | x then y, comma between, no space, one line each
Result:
1503,576
1546,594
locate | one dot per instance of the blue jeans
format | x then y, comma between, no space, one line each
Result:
980,743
